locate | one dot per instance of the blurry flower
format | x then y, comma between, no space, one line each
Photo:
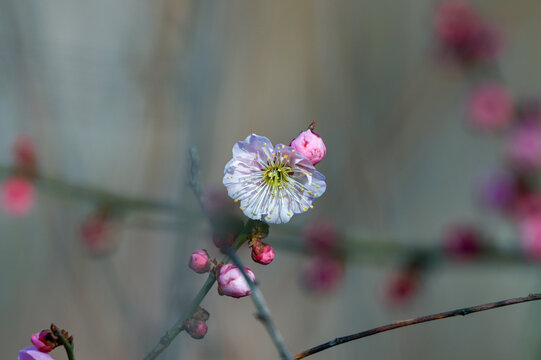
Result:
24,154
200,261
320,236
530,235
95,232
232,283
262,253
401,287
217,202
462,242
490,107
41,341
499,191
271,184
524,147
222,240
310,145
463,35
31,353
322,274
17,196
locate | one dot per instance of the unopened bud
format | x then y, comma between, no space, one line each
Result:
310,145
231,281
200,261
43,341
197,329
262,253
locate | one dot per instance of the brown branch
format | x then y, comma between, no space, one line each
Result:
422,319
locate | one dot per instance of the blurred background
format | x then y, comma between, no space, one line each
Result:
114,93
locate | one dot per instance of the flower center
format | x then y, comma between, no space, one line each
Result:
276,174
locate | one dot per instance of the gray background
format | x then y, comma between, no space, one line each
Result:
114,92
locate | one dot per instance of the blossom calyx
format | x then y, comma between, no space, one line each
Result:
231,281
257,229
200,261
311,145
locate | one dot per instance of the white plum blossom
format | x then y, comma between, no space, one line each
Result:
271,183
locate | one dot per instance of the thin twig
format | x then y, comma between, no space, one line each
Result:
178,327
422,319
263,312
84,192
195,183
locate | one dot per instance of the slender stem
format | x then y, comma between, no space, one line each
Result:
177,328
263,312
422,319
67,346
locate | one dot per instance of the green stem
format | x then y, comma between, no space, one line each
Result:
67,346
177,328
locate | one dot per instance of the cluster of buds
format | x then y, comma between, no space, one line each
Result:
17,194
196,326
44,342
231,281
512,191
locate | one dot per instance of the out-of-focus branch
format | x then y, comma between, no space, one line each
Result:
72,190
422,319
263,312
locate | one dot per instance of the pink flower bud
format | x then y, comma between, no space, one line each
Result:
401,287
96,235
200,261
490,107
197,329
24,152
310,145
17,196
320,236
40,341
322,274
232,283
31,353
262,253
462,242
